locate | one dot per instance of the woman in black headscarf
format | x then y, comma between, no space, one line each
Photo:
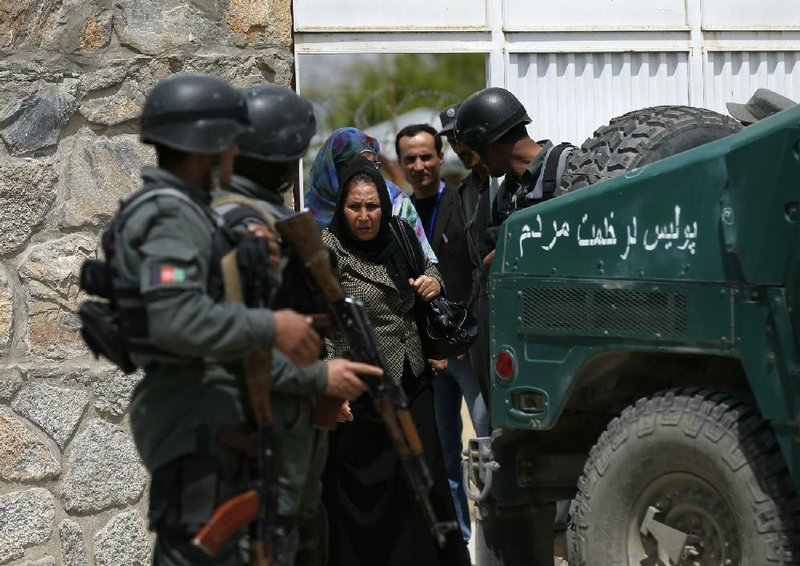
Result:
374,518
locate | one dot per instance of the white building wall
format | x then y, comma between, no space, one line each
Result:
736,75
568,95
575,64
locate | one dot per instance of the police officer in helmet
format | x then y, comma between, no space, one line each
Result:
492,122
489,119
269,155
283,124
167,245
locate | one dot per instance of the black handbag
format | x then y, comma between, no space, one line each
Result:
446,328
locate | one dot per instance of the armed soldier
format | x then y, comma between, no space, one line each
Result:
163,250
264,170
492,122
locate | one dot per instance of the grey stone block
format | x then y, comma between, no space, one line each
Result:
27,520
6,316
97,31
46,561
10,382
241,70
54,409
248,19
24,457
81,376
123,106
122,67
111,74
103,469
73,545
113,395
161,25
27,191
53,26
51,273
122,541
35,121
97,172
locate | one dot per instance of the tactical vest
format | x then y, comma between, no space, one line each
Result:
236,209
548,175
293,287
117,327
507,202
248,268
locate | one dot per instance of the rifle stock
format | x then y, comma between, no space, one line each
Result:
227,519
300,232
305,240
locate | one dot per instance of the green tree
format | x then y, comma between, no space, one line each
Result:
393,84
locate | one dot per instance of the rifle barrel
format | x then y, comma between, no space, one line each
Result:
300,232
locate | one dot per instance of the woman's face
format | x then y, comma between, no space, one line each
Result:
362,209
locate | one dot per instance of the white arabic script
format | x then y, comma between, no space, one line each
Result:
668,236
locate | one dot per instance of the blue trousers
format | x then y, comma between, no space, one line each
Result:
456,382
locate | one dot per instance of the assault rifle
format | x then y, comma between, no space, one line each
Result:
300,232
257,507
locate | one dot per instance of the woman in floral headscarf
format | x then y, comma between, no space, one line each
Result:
334,156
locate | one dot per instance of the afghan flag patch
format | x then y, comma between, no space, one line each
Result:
166,274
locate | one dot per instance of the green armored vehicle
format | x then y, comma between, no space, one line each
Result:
646,347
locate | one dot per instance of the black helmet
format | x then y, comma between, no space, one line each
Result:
193,113
488,114
448,119
283,124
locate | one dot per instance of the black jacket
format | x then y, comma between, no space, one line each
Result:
449,243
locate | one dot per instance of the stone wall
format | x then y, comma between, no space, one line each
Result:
73,77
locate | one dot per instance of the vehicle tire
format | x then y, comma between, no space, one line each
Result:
641,137
709,465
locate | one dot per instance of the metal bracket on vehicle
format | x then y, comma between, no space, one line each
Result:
728,222
671,542
478,466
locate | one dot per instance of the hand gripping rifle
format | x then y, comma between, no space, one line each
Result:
300,232
257,507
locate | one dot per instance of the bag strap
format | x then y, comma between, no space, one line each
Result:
401,236
231,278
550,175
234,208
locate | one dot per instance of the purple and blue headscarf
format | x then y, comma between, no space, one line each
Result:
341,146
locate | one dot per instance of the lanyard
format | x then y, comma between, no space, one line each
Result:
435,209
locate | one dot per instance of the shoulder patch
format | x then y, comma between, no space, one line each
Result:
165,274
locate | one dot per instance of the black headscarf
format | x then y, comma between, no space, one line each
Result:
383,249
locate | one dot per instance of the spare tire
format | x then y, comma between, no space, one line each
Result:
641,137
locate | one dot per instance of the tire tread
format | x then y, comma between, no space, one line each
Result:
747,444
624,143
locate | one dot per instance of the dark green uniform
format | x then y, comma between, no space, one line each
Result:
165,247
295,391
